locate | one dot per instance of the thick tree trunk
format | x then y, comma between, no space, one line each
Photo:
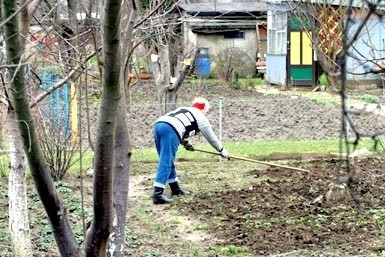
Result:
52,202
17,193
101,225
116,243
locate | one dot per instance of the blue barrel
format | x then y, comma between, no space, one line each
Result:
202,64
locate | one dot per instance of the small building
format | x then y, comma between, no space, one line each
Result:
291,59
224,28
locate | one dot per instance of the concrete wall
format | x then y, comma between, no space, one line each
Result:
216,43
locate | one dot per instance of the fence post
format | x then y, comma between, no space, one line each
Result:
220,121
347,125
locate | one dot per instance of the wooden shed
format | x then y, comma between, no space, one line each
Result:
291,59
217,26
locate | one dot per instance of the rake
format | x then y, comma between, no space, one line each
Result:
255,161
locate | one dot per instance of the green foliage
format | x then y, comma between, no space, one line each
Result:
233,250
323,80
196,81
323,100
73,205
4,166
43,239
93,62
200,227
154,253
246,83
250,82
235,85
87,158
369,98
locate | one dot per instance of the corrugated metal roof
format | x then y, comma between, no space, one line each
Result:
213,7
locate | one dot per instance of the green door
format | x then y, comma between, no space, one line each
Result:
300,55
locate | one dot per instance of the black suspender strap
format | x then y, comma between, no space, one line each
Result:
188,120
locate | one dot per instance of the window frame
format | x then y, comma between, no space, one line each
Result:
277,32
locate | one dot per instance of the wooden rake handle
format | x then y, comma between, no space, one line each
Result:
255,161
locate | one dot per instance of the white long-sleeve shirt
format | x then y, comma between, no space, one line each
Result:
188,121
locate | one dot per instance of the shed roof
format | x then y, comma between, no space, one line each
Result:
234,8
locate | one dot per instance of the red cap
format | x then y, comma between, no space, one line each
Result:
201,103
200,106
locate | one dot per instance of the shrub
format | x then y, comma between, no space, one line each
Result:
232,63
370,98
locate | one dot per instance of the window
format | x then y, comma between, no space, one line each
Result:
234,35
276,24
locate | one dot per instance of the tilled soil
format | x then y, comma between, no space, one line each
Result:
288,212
249,115
282,214
282,211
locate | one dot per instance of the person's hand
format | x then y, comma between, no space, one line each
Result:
187,145
225,154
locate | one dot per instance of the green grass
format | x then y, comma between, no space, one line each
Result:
242,83
243,149
369,98
233,250
249,83
206,81
323,100
255,148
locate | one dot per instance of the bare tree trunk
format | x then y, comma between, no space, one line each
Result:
167,92
120,184
101,225
52,202
181,72
116,243
162,74
17,193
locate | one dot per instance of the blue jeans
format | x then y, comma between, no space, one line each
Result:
166,143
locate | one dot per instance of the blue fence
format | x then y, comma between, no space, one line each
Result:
57,104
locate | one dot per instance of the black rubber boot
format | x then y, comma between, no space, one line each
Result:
158,197
176,190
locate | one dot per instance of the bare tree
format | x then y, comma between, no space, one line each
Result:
101,225
112,144
123,150
44,184
18,209
17,191
233,62
168,68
